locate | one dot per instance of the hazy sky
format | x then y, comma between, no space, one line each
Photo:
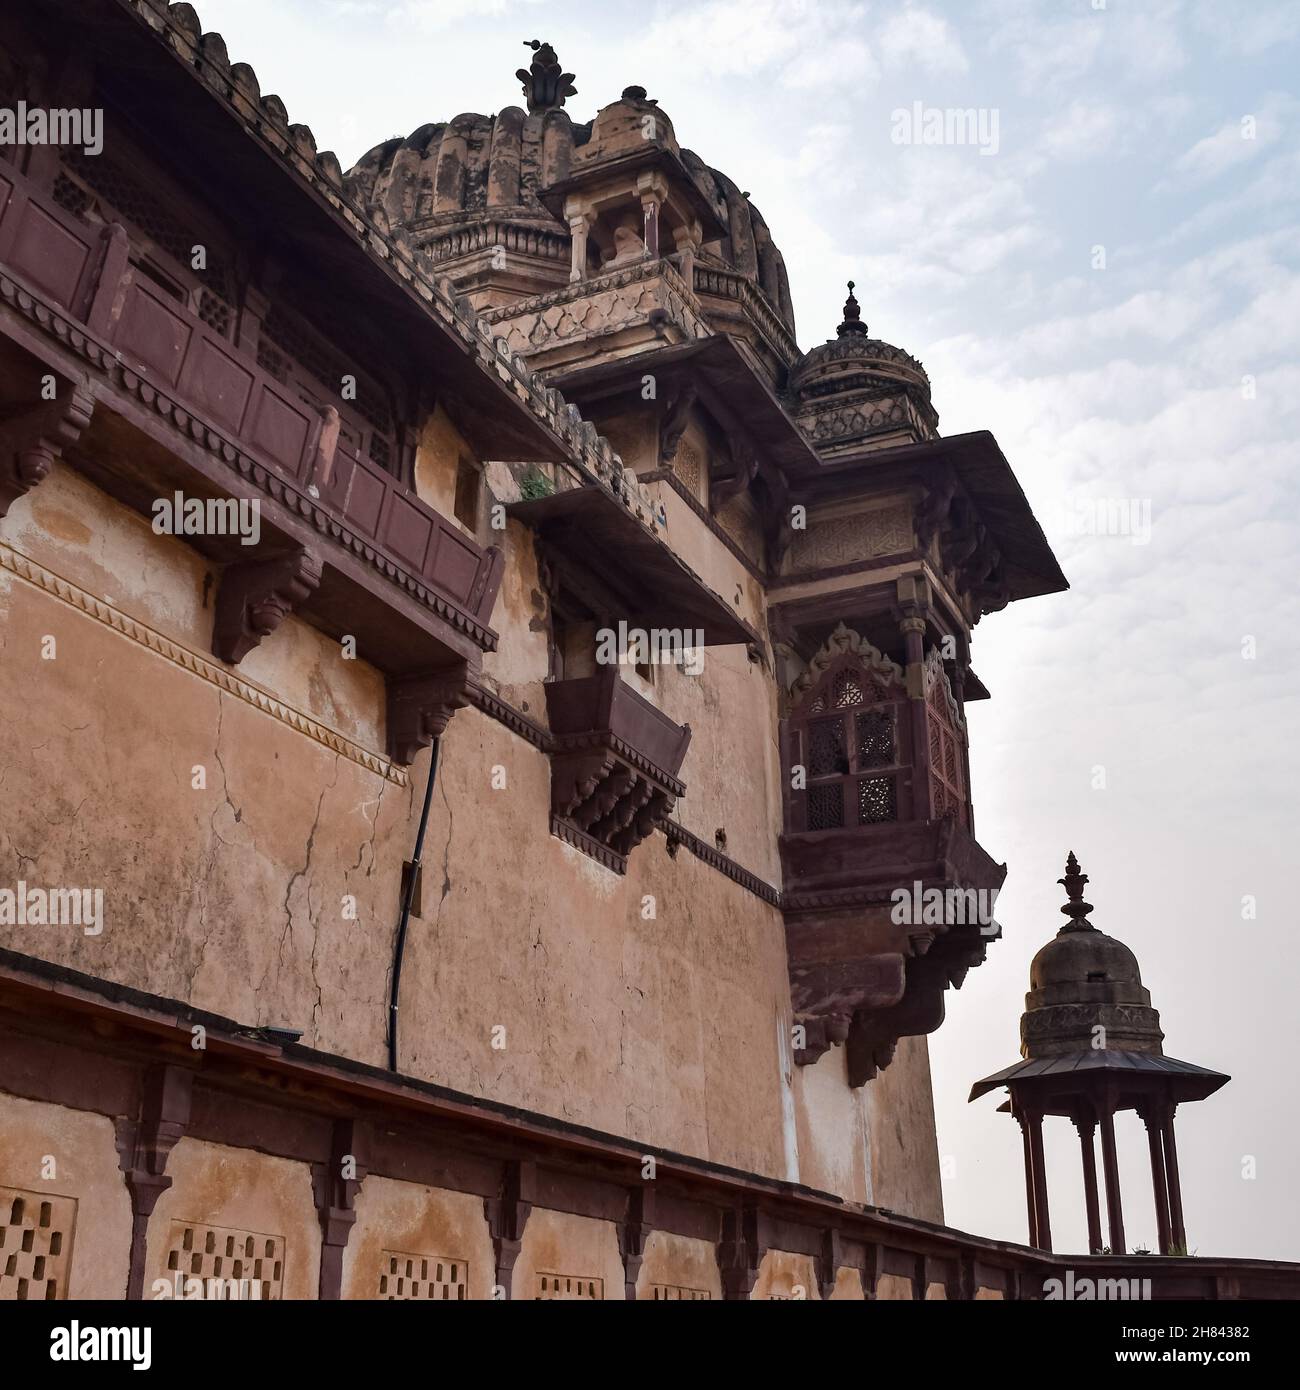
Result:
1114,291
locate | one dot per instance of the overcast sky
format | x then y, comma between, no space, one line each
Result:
1112,286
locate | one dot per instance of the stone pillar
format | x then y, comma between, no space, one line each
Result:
1042,1218
579,227
913,630
1159,1188
1178,1231
650,230
1087,1129
1110,1163
1030,1206
687,242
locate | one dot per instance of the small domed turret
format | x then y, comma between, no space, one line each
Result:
1083,981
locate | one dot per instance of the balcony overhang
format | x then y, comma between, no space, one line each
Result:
292,202
614,764
609,552
868,968
721,365
981,468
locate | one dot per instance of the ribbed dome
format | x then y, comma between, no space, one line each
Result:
449,177
1085,989
1083,957
852,359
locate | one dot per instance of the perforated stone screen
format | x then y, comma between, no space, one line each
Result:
35,1244
569,1286
232,1257
423,1277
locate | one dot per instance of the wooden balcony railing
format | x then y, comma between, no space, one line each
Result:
213,408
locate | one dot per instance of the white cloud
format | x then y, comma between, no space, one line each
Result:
919,38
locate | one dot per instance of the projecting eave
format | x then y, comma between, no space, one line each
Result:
650,585
180,82
723,368
1030,567
1189,1081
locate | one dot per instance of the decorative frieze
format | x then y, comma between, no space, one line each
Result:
845,540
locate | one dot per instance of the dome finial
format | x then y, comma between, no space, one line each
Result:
545,86
852,316
1076,909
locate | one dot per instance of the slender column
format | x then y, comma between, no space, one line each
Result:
1087,1130
650,223
1178,1230
578,229
1031,1210
1159,1188
1110,1164
913,629
1043,1220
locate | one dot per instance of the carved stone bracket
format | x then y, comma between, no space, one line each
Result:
420,708
255,597
828,1261
30,440
507,1215
633,1232
614,759
335,1186
143,1147
740,1251
676,416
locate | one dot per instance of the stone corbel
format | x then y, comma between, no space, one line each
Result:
933,513
633,1232
336,1196
744,461
30,440
421,707
256,596
507,1215
676,416
740,1251
828,1262
820,1034
143,1147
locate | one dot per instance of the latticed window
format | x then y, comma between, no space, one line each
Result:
947,750
849,734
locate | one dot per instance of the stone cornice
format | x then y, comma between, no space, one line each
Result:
76,339
79,599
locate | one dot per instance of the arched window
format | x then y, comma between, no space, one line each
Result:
850,735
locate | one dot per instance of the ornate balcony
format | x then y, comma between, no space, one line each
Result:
614,765
887,895
152,397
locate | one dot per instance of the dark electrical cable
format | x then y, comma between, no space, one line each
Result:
408,895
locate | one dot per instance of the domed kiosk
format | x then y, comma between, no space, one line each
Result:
1091,1046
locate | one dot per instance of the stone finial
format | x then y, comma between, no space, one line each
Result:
545,86
1075,909
852,317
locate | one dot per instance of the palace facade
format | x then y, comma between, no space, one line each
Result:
478,704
